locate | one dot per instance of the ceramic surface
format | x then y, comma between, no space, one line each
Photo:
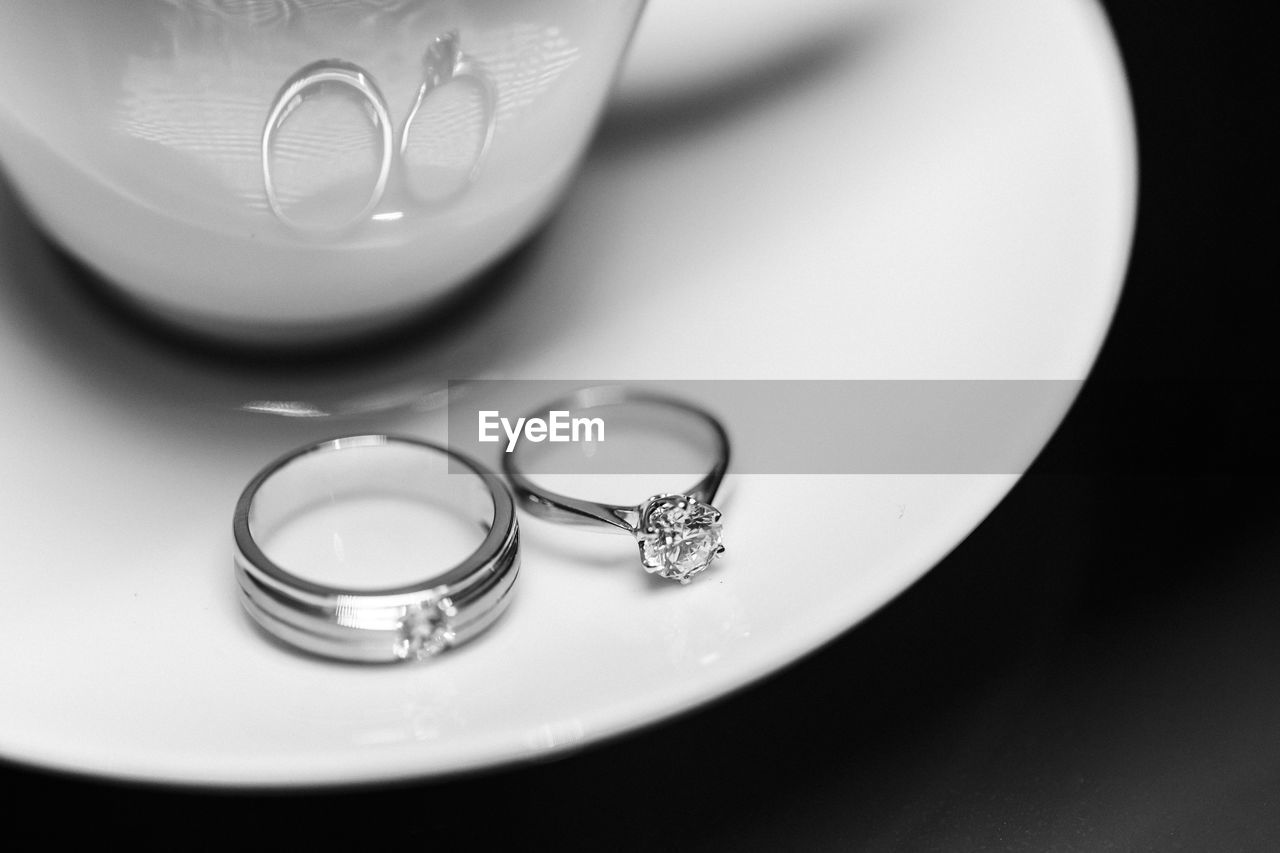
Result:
298,171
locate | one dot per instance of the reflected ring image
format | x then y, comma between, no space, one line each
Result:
443,63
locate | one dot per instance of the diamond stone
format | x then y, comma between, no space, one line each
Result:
426,629
678,536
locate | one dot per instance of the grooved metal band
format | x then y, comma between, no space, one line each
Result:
414,621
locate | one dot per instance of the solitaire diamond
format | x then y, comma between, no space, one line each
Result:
426,629
678,536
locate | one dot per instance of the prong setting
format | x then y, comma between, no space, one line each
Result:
679,536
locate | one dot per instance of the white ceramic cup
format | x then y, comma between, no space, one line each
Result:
289,171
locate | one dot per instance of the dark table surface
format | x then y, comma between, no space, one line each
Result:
1097,667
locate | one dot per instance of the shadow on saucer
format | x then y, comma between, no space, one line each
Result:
642,118
85,330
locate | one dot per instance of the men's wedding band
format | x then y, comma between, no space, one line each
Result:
414,621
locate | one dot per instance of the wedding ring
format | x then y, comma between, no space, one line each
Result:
413,620
678,534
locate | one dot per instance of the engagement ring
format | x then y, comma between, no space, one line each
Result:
679,534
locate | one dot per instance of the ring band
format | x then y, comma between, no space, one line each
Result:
678,534
414,621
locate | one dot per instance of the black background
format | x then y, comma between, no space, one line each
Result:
1097,667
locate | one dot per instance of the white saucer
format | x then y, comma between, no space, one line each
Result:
945,191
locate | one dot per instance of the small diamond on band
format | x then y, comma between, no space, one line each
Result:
426,629
678,535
